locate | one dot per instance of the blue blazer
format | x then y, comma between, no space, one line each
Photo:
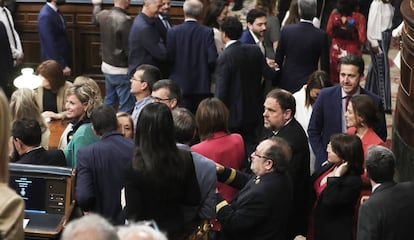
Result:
301,47
54,41
247,37
192,54
326,120
100,175
146,45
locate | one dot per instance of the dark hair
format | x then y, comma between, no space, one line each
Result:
364,106
293,13
213,12
156,154
185,126
280,153
355,60
317,80
175,90
346,7
307,9
212,116
232,27
52,72
380,164
104,120
28,131
284,98
150,75
253,14
349,148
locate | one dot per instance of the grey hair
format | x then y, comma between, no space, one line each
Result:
192,8
380,163
139,231
91,226
307,9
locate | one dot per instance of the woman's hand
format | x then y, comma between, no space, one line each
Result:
341,169
219,168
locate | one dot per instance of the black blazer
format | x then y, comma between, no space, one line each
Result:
335,208
41,156
388,213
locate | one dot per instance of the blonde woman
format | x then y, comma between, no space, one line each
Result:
11,204
23,104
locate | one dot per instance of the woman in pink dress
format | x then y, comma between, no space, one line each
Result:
347,28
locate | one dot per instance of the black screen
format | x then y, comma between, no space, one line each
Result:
32,190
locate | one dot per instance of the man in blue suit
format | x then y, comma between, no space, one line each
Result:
145,43
328,115
193,54
100,171
54,41
301,47
239,85
256,27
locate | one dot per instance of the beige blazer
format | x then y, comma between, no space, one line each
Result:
11,214
60,97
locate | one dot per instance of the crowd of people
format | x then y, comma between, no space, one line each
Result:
215,131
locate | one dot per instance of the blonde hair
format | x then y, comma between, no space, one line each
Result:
23,104
4,138
81,80
86,94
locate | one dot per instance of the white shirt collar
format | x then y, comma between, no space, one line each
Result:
375,186
306,21
229,43
343,94
256,40
52,6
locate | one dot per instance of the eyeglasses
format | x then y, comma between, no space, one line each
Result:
254,154
157,99
134,79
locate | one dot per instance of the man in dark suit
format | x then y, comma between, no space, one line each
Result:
328,115
101,166
238,77
145,44
163,23
301,47
262,207
27,135
193,54
6,61
54,41
256,27
389,211
279,112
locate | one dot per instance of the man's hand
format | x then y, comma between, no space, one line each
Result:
67,71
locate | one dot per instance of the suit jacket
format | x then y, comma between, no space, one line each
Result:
192,54
335,207
238,84
40,156
388,214
100,175
298,56
299,172
6,60
145,44
260,210
326,120
11,213
54,41
247,37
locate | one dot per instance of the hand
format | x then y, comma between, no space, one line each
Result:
219,168
96,2
363,199
67,71
375,49
341,169
53,115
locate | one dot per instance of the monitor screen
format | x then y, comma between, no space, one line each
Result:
32,190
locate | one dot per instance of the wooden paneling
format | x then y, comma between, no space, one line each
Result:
83,35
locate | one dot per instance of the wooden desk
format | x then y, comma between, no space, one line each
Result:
56,128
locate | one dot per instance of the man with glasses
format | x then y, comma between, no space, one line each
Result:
166,91
279,112
262,207
141,87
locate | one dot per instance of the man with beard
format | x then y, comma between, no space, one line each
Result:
54,41
256,27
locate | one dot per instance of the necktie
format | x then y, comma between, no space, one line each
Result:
166,23
347,98
11,27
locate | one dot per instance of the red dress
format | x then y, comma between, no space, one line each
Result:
348,35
